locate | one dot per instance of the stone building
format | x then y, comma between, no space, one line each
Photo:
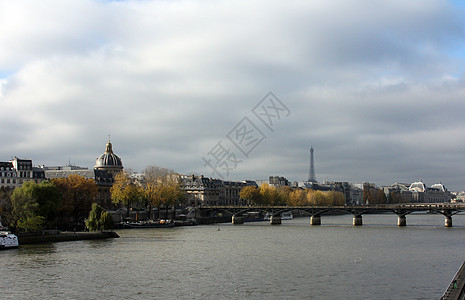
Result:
437,193
278,181
398,193
106,167
18,171
202,190
109,161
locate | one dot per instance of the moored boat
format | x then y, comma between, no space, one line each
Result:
253,217
8,240
147,224
287,215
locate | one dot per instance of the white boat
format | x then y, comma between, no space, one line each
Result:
8,240
287,215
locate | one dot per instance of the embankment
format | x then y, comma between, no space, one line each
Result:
27,239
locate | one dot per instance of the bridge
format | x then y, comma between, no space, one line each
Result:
238,213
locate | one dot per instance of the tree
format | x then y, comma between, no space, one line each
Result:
49,200
170,192
283,195
269,194
251,194
316,198
99,219
24,209
125,190
297,197
334,198
78,194
106,221
161,187
380,198
5,205
395,197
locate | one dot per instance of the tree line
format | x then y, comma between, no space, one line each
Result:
159,188
270,195
66,203
56,203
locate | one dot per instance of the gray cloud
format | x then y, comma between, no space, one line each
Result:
377,88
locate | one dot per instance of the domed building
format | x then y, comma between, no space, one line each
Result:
106,167
109,161
437,193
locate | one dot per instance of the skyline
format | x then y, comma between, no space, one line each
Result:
377,89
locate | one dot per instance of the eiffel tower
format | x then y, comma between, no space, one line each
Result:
311,171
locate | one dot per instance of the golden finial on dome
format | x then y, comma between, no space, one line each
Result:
109,147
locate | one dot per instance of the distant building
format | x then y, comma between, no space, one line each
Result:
459,196
18,171
437,193
353,194
398,193
109,161
202,190
106,167
278,181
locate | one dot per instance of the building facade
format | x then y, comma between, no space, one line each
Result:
106,167
437,193
202,190
18,171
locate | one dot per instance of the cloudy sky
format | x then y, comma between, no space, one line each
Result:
377,87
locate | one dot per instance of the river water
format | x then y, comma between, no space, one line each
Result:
252,261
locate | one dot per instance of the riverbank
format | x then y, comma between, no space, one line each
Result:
64,237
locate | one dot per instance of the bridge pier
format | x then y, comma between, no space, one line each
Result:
237,220
275,220
448,221
402,221
315,220
357,221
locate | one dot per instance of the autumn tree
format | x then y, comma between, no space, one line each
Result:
78,194
251,194
126,190
283,195
161,187
395,197
379,198
297,198
316,198
335,198
268,193
172,193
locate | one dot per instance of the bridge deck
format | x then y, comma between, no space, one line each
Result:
405,207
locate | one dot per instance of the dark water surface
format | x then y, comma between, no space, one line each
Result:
252,261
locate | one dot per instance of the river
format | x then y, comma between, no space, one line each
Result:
252,261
